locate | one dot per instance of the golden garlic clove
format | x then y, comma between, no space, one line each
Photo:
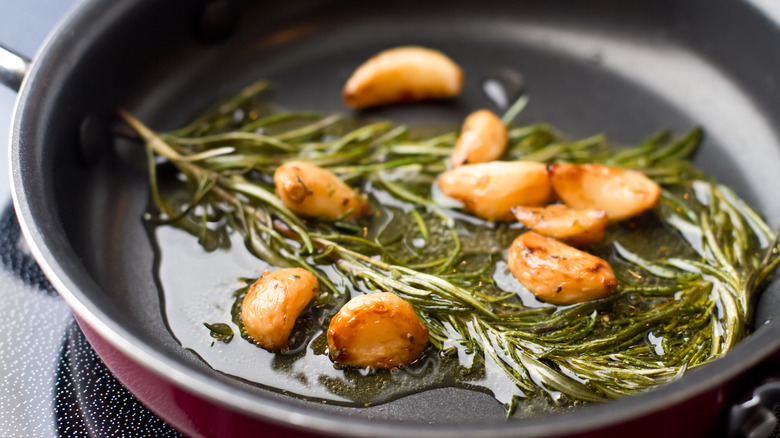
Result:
621,193
379,330
557,273
577,227
482,139
403,74
490,190
274,302
314,192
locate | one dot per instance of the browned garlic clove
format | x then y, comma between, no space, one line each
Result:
482,139
314,192
557,273
577,227
490,190
403,74
274,302
379,330
621,193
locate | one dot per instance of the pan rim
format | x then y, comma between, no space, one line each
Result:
760,345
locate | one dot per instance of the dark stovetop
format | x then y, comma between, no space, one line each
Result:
53,383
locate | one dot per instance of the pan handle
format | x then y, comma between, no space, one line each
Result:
13,67
756,417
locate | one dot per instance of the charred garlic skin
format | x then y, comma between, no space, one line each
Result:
490,190
403,74
273,304
314,192
378,330
621,193
482,139
576,227
558,273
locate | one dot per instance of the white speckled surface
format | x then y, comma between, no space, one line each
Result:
37,330
32,322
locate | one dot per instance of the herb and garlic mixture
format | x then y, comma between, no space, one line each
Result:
687,268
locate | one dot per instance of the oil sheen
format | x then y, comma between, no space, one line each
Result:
200,286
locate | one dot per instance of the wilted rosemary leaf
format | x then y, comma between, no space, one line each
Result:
220,331
688,272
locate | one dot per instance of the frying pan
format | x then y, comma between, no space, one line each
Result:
625,68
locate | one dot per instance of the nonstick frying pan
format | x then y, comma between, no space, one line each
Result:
625,68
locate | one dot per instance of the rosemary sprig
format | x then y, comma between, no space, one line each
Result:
671,312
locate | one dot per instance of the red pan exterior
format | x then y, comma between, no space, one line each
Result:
196,417
191,415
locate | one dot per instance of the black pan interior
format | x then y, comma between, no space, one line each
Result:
624,68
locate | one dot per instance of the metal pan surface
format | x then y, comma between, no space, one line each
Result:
589,66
